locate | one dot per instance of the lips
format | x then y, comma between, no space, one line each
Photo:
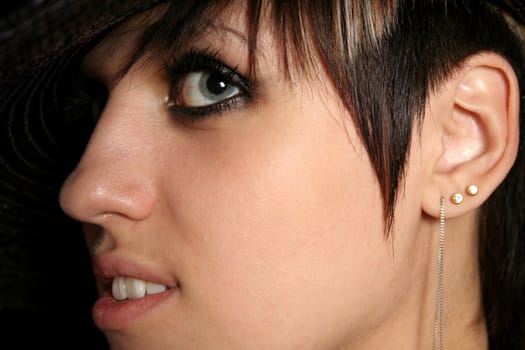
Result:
129,291
112,315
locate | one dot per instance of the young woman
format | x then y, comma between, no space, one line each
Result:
303,175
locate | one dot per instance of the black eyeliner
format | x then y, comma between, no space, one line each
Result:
195,61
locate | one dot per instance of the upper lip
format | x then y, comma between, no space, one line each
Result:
107,266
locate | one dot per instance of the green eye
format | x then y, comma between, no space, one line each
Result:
203,86
202,89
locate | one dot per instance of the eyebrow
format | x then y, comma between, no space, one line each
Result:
227,29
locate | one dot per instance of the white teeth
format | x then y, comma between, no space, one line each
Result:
132,288
135,288
119,288
154,288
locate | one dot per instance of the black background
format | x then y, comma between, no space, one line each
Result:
46,284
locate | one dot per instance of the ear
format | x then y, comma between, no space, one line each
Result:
474,122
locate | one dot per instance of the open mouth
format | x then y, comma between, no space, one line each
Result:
126,300
130,291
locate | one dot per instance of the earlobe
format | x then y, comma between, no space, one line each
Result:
478,117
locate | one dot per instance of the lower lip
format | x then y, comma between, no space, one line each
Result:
109,314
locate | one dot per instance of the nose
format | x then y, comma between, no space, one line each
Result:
115,176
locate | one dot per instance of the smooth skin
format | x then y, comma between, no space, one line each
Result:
269,215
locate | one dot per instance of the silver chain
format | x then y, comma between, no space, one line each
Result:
439,321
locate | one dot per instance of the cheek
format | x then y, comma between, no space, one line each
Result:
284,194
277,221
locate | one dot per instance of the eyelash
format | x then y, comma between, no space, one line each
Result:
206,62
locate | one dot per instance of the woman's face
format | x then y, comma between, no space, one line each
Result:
253,202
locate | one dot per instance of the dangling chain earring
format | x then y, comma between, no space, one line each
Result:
439,321
439,306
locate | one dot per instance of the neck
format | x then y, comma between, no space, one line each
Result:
411,326
464,320
464,323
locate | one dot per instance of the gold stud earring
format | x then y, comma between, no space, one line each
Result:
472,190
457,198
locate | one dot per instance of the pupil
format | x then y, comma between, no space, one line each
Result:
215,84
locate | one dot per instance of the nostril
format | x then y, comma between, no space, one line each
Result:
97,240
93,235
